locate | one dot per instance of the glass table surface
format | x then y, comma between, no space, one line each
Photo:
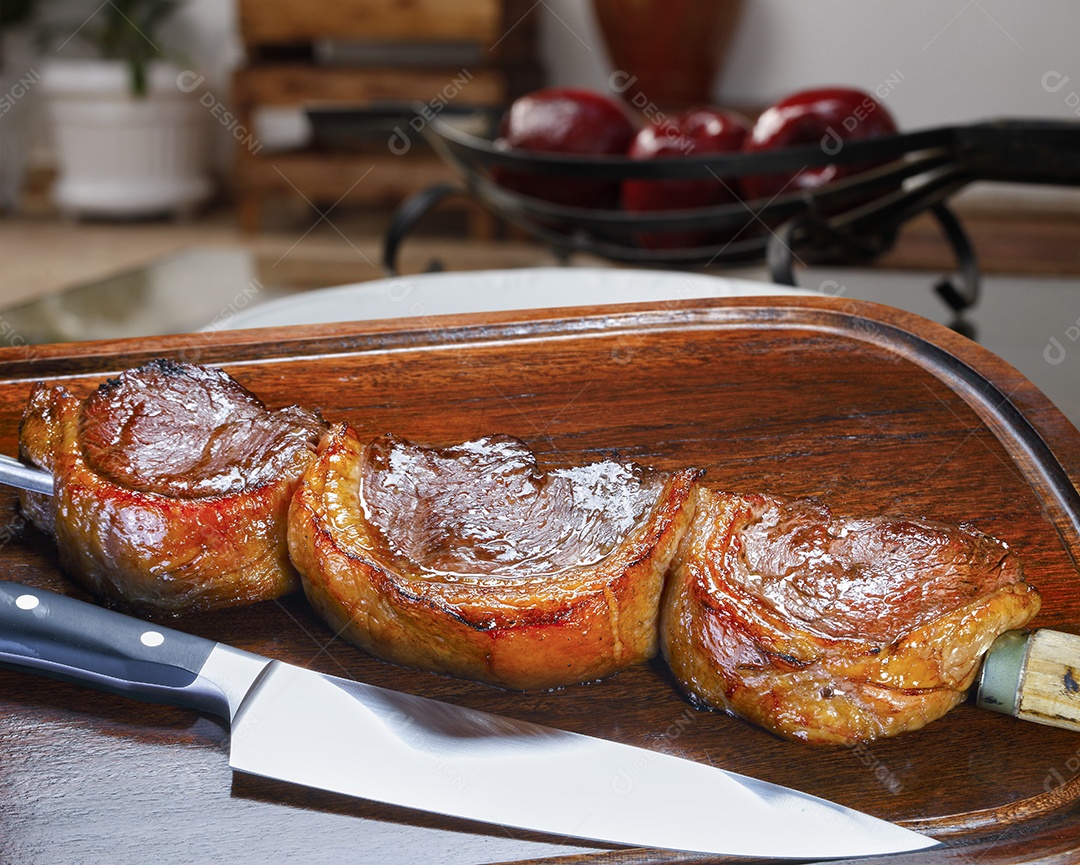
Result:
1032,322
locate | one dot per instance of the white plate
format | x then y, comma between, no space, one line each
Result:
491,291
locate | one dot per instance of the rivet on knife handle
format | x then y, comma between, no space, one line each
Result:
1034,675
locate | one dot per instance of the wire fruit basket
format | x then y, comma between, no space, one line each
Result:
853,219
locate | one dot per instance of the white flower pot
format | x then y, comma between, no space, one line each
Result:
121,155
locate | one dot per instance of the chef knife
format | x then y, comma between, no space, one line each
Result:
297,725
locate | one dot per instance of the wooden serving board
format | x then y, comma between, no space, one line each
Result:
870,409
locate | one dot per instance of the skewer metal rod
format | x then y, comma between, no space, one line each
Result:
17,474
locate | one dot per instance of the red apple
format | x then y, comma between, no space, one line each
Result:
565,120
827,116
694,132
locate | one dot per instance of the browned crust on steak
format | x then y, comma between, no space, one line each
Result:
834,631
204,539
519,631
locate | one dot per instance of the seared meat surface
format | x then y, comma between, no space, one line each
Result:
187,431
472,560
172,486
484,508
834,630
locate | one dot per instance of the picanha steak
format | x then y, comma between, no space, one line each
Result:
172,486
472,560
834,630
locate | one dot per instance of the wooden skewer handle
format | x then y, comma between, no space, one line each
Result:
1034,675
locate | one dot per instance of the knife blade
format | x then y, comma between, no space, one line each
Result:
304,727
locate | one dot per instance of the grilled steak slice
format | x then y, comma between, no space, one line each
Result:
834,630
173,485
473,561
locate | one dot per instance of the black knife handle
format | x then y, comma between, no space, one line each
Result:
64,638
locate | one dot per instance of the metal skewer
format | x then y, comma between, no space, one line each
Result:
17,474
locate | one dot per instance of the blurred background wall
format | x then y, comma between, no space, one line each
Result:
956,60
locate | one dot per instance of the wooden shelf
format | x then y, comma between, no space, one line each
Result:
285,84
502,30
268,22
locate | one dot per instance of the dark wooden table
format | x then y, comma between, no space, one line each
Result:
868,408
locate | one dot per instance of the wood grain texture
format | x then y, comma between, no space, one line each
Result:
271,21
290,84
1050,690
871,409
